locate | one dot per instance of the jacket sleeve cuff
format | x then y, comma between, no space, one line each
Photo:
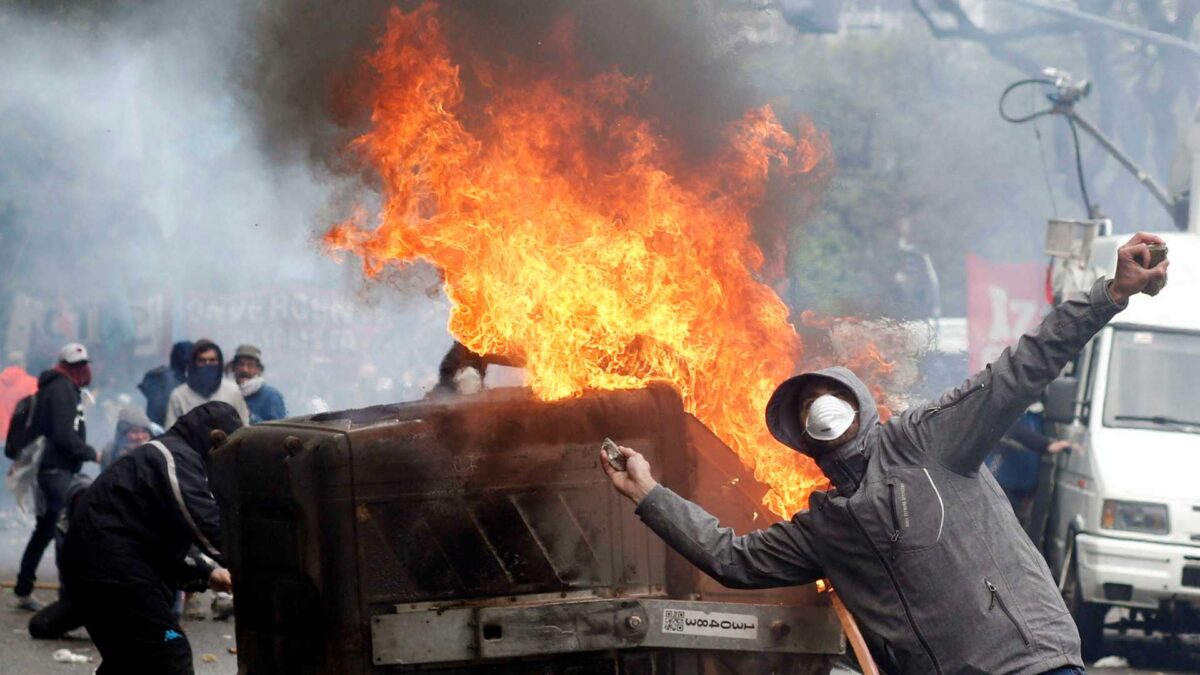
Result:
1102,302
650,501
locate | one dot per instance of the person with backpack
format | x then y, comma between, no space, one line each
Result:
58,418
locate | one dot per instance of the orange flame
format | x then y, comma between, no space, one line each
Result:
569,233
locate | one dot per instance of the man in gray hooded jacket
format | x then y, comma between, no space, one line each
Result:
916,536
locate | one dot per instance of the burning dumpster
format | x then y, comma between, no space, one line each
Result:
479,533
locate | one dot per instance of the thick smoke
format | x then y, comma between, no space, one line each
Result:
307,60
137,208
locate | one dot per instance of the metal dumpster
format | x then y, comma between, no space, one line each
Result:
479,534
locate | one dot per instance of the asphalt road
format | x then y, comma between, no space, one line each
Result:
211,640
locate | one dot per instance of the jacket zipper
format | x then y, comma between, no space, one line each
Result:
912,623
895,519
998,599
939,408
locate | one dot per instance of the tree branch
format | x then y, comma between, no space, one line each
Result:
966,29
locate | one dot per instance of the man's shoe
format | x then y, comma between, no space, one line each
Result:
28,603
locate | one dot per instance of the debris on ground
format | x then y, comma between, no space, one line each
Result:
208,658
1112,662
68,656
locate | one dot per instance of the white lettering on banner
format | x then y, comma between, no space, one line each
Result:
1010,319
710,624
1004,301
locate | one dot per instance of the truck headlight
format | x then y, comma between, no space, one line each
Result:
1135,517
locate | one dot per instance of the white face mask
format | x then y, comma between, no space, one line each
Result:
829,417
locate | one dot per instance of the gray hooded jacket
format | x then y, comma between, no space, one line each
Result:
917,537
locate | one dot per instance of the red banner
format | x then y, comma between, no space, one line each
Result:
1004,300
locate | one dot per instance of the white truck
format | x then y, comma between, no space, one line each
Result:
1124,524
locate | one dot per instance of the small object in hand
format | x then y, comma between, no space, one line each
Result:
1158,253
615,459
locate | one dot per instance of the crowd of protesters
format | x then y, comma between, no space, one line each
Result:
169,525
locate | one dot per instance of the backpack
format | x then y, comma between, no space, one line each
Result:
24,445
21,477
21,428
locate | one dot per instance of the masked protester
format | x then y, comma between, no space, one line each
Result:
133,429
205,382
264,401
157,384
916,536
127,549
59,418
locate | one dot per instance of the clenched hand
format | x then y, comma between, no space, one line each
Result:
1132,276
221,580
635,482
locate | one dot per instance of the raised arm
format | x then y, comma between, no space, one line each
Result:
780,555
962,427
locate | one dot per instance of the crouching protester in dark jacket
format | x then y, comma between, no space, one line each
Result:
61,616
126,552
916,536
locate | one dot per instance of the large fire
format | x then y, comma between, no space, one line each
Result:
570,234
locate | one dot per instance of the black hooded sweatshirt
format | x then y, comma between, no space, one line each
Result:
140,518
60,418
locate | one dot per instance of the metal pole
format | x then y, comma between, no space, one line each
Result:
1117,26
1144,178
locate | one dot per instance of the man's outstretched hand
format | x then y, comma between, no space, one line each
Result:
1132,276
635,481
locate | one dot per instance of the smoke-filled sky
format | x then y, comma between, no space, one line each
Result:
193,149
132,167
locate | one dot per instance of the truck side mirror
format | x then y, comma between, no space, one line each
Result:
1060,400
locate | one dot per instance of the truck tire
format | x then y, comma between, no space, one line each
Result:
1089,616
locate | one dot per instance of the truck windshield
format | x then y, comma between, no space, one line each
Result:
1152,379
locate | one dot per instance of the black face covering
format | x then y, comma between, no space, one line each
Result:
205,380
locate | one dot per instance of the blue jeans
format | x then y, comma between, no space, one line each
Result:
53,485
1066,670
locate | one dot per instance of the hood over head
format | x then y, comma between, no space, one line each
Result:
181,356
195,427
205,380
845,464
202,345
131,417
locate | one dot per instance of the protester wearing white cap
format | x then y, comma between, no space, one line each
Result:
58,416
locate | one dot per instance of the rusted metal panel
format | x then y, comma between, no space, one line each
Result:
336,523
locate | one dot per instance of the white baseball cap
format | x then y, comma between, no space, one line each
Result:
73,352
